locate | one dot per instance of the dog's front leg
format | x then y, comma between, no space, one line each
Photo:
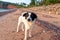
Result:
30,32
25,34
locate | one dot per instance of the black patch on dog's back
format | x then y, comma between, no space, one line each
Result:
25,15
33,16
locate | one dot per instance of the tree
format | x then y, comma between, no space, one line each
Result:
36,2
32,2
23,4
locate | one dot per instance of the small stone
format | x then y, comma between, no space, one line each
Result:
43,31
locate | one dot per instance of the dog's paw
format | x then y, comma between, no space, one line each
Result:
30,35
22,29
17,30
25,39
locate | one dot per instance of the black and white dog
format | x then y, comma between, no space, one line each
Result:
28,18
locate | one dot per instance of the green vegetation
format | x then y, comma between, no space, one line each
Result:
43,2
32,3
47,2
21,5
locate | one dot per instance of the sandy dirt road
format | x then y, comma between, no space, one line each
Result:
47,27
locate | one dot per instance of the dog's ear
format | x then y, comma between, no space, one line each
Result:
25,15
33,16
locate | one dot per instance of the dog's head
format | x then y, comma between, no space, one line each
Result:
30,16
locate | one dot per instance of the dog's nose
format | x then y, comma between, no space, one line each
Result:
28,19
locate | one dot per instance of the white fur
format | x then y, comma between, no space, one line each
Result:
28,25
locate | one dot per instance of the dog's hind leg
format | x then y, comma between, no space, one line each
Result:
19,21
30,32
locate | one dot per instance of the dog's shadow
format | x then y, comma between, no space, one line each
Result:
47,25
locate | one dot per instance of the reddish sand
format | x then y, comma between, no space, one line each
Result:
47,26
